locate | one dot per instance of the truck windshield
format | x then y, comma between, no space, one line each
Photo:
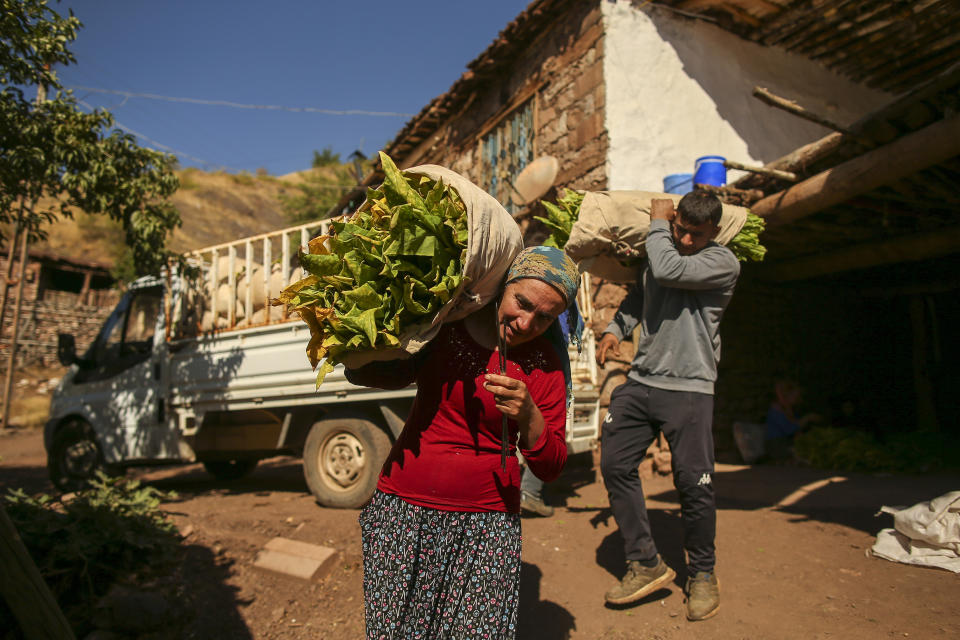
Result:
111,335
130,328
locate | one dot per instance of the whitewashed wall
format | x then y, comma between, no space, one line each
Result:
679,88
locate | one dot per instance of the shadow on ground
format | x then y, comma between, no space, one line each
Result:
540,619
848,499
210,605
282,474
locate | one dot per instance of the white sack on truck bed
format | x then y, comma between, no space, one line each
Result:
607,240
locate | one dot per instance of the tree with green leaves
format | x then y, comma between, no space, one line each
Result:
54,158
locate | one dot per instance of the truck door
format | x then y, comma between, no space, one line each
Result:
121,383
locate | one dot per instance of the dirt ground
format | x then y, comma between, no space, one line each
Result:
792,556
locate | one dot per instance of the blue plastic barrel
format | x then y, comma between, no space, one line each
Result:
678,183
710,170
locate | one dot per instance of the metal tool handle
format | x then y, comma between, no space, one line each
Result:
502,349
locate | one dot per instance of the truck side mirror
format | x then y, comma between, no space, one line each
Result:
66,349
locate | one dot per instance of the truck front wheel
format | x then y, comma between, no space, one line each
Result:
342,459
75,457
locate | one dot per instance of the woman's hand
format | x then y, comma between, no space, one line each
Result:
511,397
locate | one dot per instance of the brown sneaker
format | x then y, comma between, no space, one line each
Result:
639,582
703,596
533,504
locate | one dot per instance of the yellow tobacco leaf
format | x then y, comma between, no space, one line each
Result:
315,349
290,292
318,245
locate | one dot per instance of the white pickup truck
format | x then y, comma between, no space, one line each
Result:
212,374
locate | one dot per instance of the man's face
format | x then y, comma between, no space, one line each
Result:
688,238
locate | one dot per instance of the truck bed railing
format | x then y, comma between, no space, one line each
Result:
238,279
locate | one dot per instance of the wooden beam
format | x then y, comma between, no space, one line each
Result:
903,157
24,590
921,246
800,159
876,126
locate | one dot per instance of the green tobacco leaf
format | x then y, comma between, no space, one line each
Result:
321,265
339,282
322,372
435,195
394,181
365,297
410,302
332,340
355,342
389,339
363,323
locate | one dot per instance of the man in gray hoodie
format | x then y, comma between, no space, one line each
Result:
678,300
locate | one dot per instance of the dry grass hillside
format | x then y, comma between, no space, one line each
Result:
215,208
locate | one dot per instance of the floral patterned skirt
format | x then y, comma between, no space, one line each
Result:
439,574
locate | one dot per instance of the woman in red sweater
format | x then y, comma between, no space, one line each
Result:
441,535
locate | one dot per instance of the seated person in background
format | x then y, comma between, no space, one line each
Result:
782,424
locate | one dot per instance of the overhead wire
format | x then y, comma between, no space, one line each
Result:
147,113
160,146
238,105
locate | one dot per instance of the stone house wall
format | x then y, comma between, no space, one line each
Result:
44,314
41,321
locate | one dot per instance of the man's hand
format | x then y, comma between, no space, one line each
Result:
662,209
607,341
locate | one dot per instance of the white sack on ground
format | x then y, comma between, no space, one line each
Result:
612,228
926,534
494,241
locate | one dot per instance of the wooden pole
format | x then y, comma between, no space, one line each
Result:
24,590
22,221
9,273
907,155
11,360
773,173
792,107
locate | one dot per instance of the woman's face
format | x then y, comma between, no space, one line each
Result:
527,309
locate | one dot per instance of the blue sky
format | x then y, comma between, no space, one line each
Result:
371,56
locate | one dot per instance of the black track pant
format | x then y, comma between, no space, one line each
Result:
637,414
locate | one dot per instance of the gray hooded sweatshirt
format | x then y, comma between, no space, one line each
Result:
678,302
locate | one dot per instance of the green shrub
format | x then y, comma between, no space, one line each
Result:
849,450
242,178
114,531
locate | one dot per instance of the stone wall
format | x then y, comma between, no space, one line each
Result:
41,321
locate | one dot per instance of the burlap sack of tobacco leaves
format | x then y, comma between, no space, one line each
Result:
608,238
426,247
